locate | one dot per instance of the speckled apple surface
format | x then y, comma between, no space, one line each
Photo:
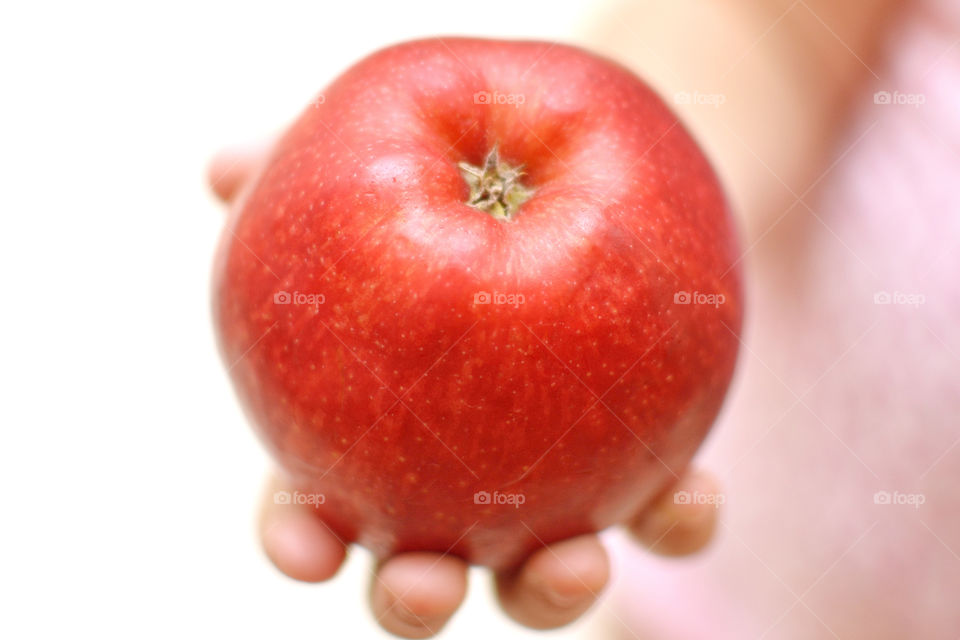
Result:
401,352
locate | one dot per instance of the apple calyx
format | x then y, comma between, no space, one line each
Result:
495,187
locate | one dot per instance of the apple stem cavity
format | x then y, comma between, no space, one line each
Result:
495,188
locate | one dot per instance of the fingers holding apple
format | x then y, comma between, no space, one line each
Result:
481,301
683,519
555,585
560,582
414,594
294,538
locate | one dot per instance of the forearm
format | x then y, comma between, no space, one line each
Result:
782,71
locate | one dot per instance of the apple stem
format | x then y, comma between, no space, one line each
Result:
495,187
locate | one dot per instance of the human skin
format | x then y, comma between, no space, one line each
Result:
839,397
772,150
785,70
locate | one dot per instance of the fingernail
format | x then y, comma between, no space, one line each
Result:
562,600
403,612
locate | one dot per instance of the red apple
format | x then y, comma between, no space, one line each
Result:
481,297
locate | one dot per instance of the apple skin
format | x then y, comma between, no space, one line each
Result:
396,396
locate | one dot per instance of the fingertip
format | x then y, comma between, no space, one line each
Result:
302,547
573,569
683,520
230,169
557,584
414,594
296,540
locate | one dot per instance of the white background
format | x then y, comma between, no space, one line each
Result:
129,476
